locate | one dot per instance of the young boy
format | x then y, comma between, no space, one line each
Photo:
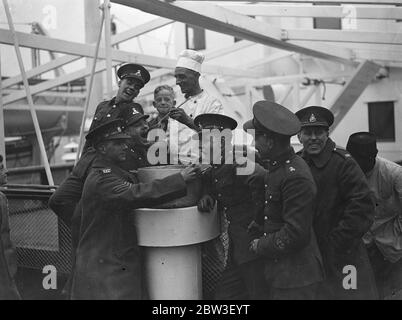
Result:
164,101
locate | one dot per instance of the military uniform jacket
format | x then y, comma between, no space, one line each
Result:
65,201
289,244
233,193
344,213
108,259
109,110
66,197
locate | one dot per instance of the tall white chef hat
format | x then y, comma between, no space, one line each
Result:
190,59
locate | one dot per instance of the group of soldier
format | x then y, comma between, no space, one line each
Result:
325,223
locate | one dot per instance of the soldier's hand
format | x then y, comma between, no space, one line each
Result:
190,173
254,245
206,203
205,168
180,115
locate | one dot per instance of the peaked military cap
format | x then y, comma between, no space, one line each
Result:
362,144
209,121
315,116
215,121
108,130
271,116
132,70
134,117
248,125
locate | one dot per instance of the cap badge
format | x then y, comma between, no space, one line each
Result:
138,73
312,118
135,111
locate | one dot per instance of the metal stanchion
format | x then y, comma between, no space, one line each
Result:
29,96
2,135
89,89
108,47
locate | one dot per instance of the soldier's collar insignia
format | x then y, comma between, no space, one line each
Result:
291,169
107,170
312,118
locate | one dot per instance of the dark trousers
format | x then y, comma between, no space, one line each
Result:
247,282
333,287
388,275
302,293
242,282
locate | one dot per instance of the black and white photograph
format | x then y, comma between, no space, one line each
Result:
199,155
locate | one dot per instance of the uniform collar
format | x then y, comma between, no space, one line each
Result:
113,101
279,159
321,159
194,96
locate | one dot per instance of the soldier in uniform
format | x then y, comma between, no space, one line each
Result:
243,276
344,209
293,266
64,201
132,78
108,261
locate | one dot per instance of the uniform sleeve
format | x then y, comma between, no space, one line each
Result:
87,144
298,194
96,113
206,181
64,200
358,214
66,197
116,191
